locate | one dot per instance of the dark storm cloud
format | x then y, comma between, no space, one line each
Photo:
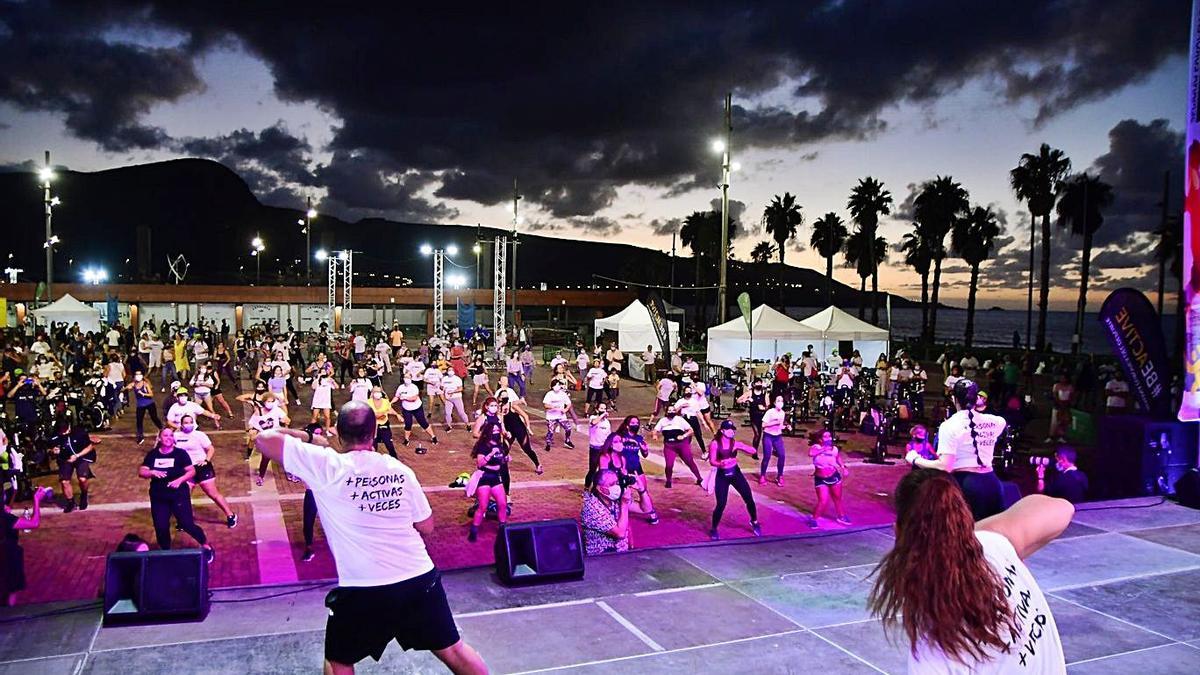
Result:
54,61
274,148
1137,158
365,186
577,100
664,227
598,225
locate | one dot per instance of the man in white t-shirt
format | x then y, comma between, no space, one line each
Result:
375,516
183,405
360,346
113,336
649,365
557,403
1116,394
664,388
595,378
452,401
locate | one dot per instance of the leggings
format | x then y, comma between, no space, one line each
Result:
141,418
226,371
310,516
177,504
455,405
346,367
521,437
756,425
772,445
417,415
684,450
738,481
551,425
593,465
698,434
383,434
291,388
982,492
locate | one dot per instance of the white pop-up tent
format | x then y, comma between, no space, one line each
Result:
69,310
634,330
774,333
832,326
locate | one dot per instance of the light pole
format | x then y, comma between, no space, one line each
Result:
256,248
46,174
476,249
309,214
724,149
516,221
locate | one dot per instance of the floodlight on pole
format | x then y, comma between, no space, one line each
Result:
322,255
257,246
452,249
722,288
45,175
307,223
426,249
95,275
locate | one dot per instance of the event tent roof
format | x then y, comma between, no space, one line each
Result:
835,324
767,323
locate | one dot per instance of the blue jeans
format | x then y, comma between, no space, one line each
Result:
517,382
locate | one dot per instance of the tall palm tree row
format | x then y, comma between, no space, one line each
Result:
762,253
915,246
1035,180
972,238
939,204
781,219
701,232
828,236
865,260
868,201
1082,199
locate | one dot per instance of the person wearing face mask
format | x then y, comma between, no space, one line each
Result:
773,423
322,398
452,401
605,516
185,406
490,458
756,405
411,410
628,443
271,415
169,468
599,428
361,386
919,442
254,400
689,409
143,395
828,471
663,389
383,411
722,456
676,433
479,378
516,423
557,403
200,449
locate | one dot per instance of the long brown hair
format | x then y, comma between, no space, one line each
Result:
935,582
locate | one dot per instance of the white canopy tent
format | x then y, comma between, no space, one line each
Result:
634,331
832,326
69,310
775,333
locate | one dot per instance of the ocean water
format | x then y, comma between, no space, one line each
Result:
995,327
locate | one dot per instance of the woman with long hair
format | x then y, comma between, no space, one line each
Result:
960,589
490,455
966,444
722,455
829,469
624,451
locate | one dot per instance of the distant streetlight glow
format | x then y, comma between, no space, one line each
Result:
718,145
46,174
343,255
312,213
452,249
476,249
457,280
322,255
426,249
95,275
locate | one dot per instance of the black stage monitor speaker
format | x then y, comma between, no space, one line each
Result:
155,586
1187,489
1137,456
548,550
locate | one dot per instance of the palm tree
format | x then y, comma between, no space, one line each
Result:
972,238
762,253
864,260
1167,252
940,203
701,232
781,218
828,237
1035,181
915,246
1080,204
868,201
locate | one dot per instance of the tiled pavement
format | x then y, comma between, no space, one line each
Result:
1124,585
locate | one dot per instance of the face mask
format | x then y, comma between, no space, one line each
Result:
269,405
671,414
633,428
137,377
492,409
779,405
613,492
728,433
183,399
187,428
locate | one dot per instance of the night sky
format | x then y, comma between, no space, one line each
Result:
605,111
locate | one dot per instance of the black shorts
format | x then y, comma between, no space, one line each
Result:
362,620
417,415
204,472
827,481
79,468
489,479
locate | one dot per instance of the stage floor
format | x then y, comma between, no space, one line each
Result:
1124,584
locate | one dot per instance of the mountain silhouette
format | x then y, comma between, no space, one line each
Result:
130,220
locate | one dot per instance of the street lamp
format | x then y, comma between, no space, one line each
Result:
322,255
45,175
95,275
257,246
722,146
309,214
